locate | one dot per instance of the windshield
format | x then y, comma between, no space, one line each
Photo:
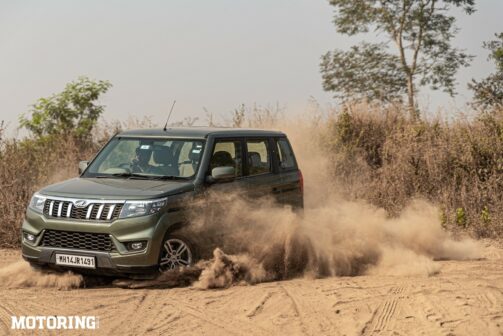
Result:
148,158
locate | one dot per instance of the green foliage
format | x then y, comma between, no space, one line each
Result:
421,31
485,216
443,218
488,93
461,217
73,111
367,71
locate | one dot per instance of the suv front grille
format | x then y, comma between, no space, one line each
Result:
78,240
98,211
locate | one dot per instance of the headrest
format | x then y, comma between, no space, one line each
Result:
195,152
254,159
221,159
163,155
144,148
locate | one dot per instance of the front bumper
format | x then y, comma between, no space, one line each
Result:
106,264
118,261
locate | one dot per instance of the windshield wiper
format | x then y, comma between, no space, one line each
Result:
132,175
128,175
142,176
168,177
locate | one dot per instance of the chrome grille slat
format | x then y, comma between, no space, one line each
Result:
69,210
89,210
101,211
111,211
51,207
60,207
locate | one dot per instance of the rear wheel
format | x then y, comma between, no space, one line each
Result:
176,251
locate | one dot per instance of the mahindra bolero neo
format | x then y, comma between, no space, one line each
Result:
121,215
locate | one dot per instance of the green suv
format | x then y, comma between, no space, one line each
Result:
122,214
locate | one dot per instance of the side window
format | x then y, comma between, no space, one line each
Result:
259,160
227,153
286,158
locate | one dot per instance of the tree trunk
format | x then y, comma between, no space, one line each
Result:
414,115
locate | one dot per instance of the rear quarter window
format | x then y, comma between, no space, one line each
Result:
286,158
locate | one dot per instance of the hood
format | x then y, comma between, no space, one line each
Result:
116,188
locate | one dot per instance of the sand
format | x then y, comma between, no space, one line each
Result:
463,298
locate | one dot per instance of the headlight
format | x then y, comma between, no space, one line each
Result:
37,202
141,208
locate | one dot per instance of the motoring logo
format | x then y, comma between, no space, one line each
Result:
80,203
54,322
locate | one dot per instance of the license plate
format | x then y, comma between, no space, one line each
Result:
77,261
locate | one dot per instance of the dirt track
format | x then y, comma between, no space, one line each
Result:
466,297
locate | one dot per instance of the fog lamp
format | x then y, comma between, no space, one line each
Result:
30,238
137,246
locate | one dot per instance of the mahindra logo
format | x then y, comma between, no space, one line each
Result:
80,203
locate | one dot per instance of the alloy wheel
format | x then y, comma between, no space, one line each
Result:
176,253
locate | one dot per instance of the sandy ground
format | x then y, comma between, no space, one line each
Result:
465,298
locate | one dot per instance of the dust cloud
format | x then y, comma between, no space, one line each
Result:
257,240
20,275
267,242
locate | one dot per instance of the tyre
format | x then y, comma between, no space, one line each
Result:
176,251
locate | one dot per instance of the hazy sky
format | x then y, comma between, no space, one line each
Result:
215,54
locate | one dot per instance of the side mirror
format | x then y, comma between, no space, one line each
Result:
82,166
220,174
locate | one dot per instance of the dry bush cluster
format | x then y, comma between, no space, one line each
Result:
29,164
384,158
26,166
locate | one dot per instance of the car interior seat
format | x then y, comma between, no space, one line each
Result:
255,164
163,156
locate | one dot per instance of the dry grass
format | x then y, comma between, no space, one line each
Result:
382,157
26,166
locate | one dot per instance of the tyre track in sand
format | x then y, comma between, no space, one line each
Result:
5,318
114,326
232,326
383,315
29,308
257,308
312,308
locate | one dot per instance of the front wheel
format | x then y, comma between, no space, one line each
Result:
176,251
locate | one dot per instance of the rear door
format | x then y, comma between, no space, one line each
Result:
260,173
